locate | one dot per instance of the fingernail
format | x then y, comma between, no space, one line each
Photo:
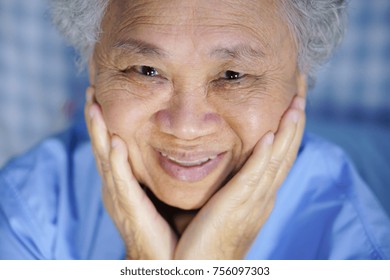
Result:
89,95
294,116
269,138
114,142
301,103
92,112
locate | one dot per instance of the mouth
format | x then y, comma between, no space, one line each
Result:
189,163
190,167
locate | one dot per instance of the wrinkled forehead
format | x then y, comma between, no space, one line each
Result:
186,12
257,18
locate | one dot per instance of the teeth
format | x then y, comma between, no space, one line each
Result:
189,163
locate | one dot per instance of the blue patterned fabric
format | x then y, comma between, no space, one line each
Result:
39,89
355,84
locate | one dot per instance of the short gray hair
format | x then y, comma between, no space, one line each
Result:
79,21
317,27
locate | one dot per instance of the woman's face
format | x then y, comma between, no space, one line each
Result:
191,87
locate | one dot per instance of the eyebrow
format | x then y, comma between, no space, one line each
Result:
140,47
241,51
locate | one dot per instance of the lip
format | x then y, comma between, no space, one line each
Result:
190,167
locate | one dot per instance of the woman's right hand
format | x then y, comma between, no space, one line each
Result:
146,234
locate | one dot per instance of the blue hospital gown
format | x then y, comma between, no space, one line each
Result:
51,208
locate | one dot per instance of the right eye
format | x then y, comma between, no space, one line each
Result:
146,70
232,75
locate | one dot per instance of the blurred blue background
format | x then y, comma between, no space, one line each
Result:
41,91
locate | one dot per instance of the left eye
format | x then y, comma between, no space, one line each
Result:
147,70
232,75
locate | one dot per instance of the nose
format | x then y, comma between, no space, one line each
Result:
188,116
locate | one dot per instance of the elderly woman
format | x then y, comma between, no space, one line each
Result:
195,112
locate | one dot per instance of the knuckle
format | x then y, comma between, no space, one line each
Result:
252,179
246,185
289,161
120,184
105,166
273,166
238,202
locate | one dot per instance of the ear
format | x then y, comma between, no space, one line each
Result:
301,84
92,71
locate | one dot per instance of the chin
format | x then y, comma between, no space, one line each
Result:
182,199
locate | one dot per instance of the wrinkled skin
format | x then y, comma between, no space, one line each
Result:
202,104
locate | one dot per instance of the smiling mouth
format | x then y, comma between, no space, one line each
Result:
189,168
189,163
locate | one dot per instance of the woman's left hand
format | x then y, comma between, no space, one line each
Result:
228,224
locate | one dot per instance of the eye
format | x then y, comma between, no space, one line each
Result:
232,75
146,70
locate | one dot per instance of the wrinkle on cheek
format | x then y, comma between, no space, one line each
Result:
116,88
252,119
123,118
122,110
118,96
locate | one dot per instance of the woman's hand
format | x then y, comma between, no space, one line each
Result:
145,233
226,226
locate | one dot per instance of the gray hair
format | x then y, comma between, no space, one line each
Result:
317,25
79,21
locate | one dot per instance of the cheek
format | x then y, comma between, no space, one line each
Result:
127,106
124,114
251,120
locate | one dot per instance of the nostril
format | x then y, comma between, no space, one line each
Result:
186,123
212,117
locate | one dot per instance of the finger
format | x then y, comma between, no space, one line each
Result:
100,140
88,115
126,185
287,141
99,133
259,172
251,172
220,218
287,129
100,143
284,150
291,154
109,201
134,211
89,97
